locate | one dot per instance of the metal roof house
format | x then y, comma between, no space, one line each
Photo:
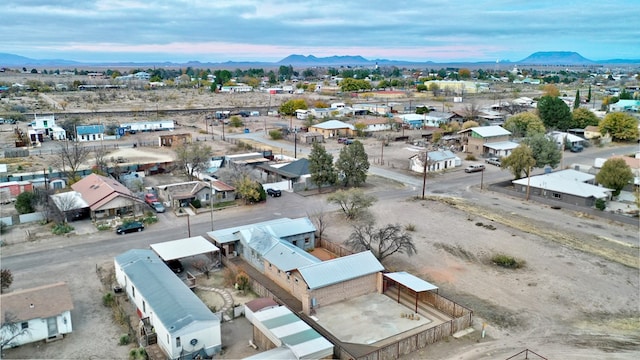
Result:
476,140
333,128
300,232
338,279
568,186
85,133
182,322
285,336
438,161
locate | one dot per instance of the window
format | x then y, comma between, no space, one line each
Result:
557,196
133,291
144,307
178,342
307,240
24,325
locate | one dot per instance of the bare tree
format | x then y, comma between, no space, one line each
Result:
320,219
11,329
6,279
101,160
382,242
193,158
69,159
65,202
471,111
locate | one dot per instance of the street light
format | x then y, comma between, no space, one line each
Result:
211,201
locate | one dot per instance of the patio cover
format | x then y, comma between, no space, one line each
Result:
177,249
411,282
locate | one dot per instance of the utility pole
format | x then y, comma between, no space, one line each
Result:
211,202
528,182
481,178
424,172
295,144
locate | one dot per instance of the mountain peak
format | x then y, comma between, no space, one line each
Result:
556,58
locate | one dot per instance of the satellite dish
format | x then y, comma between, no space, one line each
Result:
193,342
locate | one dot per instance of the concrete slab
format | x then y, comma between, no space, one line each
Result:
367,319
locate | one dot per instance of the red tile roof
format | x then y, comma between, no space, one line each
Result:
98,190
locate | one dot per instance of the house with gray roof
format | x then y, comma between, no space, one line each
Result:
252,241
183,325
285,336
487,141
567,186
439,160
333,128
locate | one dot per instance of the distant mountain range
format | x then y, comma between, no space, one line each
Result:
547,58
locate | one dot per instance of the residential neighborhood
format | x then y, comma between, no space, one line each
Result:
429,219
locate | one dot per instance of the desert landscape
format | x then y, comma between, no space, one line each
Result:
566,301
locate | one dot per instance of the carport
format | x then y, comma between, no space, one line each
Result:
178,249
411,282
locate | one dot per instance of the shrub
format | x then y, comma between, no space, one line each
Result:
410,227
507,261
108,300
196,203
103,227
601,204
470,157
124,339
60,229
275,134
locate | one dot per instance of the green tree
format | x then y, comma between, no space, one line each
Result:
193,158
382,242
353,202
555,114
583,117
589,95
545,150
576,101
289,107
248,189
524,125
615,174
321,167
26,202
520,160
236,122
621,126
422,110
353,164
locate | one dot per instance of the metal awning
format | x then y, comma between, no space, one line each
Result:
412,282
182,248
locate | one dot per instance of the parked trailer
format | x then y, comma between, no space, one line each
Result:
149,126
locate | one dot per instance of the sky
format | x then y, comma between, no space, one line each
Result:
270,30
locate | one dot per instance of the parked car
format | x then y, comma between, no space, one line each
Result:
150,198
274,192
494,161
175,266
474,168
576,148
130,227
158,207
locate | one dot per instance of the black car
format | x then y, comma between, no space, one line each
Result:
175,266
130,227
274,192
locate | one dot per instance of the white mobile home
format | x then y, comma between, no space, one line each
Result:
149,125
182,323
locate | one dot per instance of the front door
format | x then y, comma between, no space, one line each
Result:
52,326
